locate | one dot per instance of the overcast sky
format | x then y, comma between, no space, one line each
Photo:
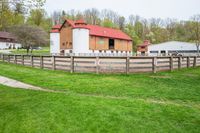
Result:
179,9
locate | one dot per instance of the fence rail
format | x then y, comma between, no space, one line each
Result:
98,64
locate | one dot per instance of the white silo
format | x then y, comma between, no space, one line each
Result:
81,38
55,43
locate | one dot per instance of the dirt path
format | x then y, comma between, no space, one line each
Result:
17,84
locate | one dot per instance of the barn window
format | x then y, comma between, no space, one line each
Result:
101,40
63,44
70,43
163,52
111,43
154,52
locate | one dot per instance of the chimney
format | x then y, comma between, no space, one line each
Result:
147,42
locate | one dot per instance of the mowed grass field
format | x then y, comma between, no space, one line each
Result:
163,102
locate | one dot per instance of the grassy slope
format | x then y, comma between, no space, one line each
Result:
181,85
134,103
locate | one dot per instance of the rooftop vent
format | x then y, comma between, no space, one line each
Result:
80,22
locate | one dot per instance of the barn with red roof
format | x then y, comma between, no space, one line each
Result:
80,37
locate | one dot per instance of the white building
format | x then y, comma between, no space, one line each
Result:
168,48
8,41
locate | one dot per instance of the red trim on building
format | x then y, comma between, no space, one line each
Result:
94,30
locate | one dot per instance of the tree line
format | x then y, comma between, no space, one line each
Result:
156,30
26,14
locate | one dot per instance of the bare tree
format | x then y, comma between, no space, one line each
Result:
134,19
196,30
110,15
72,13
91,16
156,22
29,36
170,25
121,23
56,17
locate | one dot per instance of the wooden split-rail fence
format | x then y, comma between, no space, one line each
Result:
104,64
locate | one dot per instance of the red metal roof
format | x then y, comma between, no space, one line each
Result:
96,30
108,32
55,31
71,22
56,26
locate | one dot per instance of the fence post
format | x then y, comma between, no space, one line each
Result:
127,64
53,63
171,64
188,62
3,57
31,59
154,64
9,58
41,62
179,62
22,59
15,59
72,64
97,64
195,62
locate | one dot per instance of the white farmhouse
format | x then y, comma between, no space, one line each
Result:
8,41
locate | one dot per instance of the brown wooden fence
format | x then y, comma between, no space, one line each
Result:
104,64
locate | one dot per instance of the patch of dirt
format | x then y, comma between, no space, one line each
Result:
191,75
17,84
162,77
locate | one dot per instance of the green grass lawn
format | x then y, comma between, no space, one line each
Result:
43,51
163,102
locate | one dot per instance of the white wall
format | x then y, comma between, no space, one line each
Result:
81,41
55,43
172,46
6,45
